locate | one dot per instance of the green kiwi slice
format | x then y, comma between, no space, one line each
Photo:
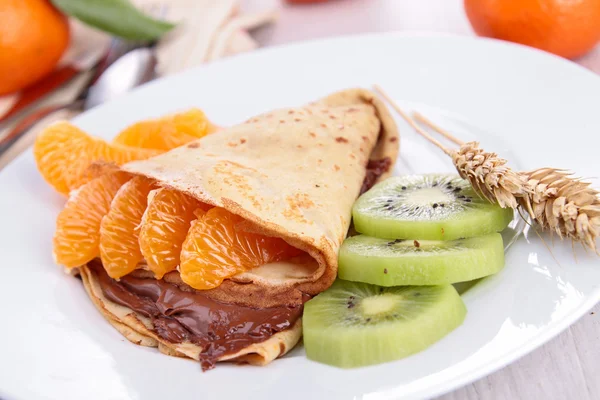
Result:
419,262
435,207
354,324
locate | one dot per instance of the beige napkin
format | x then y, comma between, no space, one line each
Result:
206,30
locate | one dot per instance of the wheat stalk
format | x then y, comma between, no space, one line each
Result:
555,199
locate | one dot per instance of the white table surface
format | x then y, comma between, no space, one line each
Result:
568,366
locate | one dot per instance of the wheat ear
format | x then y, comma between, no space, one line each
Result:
487,173
555,199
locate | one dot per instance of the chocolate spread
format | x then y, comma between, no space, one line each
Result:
177,315
375,168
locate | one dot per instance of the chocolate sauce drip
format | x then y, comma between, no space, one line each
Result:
177,315
375,168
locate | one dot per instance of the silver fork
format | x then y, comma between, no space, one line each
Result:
118,48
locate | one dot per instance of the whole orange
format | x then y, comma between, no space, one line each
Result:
33,37
568,28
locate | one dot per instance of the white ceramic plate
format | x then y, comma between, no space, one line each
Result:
536,109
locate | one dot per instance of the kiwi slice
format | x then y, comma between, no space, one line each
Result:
355,324
435,207
419,262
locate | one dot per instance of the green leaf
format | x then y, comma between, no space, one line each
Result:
117,17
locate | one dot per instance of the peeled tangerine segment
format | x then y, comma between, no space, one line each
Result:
119,247
216,249
77,237
165,225
167,132
419,262
59,151
64,152
355,324
435,207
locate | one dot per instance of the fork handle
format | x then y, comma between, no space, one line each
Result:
36,92
24,125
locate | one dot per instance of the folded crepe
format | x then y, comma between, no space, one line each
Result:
292,173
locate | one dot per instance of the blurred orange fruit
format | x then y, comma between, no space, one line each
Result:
216,249
165,225
119,247
566,28
77,236
167,132
63,154
33,37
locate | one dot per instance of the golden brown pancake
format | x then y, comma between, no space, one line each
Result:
292,173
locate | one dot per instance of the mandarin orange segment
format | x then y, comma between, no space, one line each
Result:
215,250
119,246
192,122
212,128
60,149
95,170
63,152
165,225
119,154
103,157
167,132
77,236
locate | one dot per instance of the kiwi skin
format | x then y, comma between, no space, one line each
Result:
421,230
478,257
337,333
371,218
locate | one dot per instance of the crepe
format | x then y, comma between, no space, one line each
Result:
292,173
138,329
